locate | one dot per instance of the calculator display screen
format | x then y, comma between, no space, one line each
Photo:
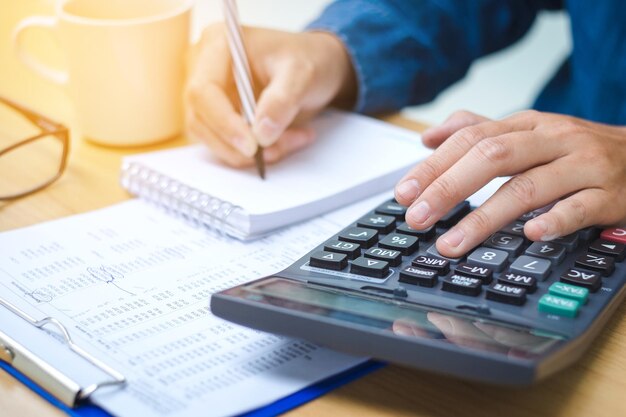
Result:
404,319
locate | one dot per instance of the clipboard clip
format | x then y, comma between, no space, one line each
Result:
63,388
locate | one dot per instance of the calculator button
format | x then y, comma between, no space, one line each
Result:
489,257
527,282
425,234
601,263
384,224
418,276
461,284
589,233
569,241
529,265
329,260
548,250
481,272
453,216
553,304
574,292
616,234
511,244
504,293
364,237
607,247
515,228
405,244
369,267
394,257
351,250
432,250
442,266
391,208
589,280
534,214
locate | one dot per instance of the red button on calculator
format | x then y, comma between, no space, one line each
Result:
615,234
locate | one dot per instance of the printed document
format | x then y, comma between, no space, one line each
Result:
133,283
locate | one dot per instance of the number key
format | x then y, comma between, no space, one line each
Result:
529,265
491,258
548,250
512,244
515,228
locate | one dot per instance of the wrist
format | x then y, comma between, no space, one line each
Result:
336,64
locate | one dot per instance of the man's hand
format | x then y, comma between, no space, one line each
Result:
296,75
550,157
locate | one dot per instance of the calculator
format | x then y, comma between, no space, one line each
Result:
510,311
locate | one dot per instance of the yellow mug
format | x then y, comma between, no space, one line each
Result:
125,65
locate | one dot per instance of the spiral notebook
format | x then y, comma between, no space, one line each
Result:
354,157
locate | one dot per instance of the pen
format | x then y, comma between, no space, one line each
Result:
242,73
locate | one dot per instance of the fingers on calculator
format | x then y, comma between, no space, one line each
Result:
553,278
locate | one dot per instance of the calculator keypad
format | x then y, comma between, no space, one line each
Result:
507,269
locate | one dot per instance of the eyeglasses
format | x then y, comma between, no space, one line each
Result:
30,164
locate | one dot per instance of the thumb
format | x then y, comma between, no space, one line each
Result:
435,136
279,104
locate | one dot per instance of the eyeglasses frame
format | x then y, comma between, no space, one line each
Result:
48,128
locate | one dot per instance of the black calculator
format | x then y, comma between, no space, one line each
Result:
511,311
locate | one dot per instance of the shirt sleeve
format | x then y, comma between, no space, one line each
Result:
405,52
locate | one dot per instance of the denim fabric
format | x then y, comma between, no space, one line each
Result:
407,51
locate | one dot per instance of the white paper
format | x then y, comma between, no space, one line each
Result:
133,285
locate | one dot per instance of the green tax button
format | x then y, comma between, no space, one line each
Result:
574,292
560,306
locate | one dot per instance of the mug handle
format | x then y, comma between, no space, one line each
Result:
46,22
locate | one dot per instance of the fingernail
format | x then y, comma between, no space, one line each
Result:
408,190
453,238
544,228
420,212
244,146
266,131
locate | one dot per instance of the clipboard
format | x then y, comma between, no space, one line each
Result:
73,399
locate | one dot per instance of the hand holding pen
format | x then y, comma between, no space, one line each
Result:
295,75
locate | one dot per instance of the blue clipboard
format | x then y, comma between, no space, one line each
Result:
278,407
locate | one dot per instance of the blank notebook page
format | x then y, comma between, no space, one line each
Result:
353,157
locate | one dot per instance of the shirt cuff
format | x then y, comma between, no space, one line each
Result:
350,22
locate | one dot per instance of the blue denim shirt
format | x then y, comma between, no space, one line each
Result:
406,51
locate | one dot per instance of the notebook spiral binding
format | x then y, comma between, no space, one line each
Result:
198,208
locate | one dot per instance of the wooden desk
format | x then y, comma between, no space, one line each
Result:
595,386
